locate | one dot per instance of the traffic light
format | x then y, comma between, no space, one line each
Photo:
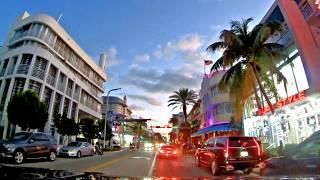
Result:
174,127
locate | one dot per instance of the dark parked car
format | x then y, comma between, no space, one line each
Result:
168,151
303,159
229,153
29,145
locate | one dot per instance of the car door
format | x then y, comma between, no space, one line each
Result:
38,145
207,154
220,149
87,148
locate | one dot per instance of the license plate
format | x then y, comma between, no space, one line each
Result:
243,153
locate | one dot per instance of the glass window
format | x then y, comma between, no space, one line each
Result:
300,74
291,85
40,137
220,142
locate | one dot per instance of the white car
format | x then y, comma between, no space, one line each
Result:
77,149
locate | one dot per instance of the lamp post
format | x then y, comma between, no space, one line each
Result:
106,116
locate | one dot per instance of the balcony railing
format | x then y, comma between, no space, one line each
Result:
23,69
69,92
38,72
61,87
51,80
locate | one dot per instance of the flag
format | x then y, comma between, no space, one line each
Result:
208,62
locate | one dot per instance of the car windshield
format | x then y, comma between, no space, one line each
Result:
161,89
75,144
20,136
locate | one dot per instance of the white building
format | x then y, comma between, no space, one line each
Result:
40,55
215,105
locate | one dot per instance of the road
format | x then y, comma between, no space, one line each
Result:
126,163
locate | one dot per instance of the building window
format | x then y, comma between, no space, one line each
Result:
35,86
12,66
4,95
4,67
47,96
57,104
24,65
18,86
39,67
51,77
66,106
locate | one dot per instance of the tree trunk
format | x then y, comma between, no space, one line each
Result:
257,97
184,108
262,89
138,143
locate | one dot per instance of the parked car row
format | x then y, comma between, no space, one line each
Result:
24,145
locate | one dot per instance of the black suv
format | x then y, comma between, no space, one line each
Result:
228,153
29,145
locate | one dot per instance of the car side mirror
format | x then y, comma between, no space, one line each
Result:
31,141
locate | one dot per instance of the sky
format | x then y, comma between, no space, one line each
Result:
152,47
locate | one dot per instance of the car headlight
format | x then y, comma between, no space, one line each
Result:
9,146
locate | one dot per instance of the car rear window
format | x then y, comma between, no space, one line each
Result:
241,142
168,147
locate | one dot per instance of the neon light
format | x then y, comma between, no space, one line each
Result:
318,3
282,102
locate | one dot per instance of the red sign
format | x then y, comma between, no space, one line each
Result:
282,102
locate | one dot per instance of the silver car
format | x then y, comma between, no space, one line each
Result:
77,149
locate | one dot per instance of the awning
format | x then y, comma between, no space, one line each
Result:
214,128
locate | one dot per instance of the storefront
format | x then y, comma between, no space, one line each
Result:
297,111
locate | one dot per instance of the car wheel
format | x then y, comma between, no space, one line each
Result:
78,154
197,161
214,168
92,153
18,157
52,156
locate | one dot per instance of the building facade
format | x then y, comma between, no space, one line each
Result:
118,109
194,117
40,55
215,105
297,110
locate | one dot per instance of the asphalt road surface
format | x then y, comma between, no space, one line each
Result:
127,164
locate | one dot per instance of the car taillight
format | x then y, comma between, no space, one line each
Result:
258,147
161,151
226,153
175,152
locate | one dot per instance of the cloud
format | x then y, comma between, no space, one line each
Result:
149,100
185,43
142,57
134,107
216,27
166,81
189,42
166,52
112,58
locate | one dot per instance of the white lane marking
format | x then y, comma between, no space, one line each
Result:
140,157
152,165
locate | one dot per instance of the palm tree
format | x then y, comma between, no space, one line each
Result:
250,63
182,98
138,130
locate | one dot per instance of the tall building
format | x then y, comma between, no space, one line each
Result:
40,55
118,109
297,111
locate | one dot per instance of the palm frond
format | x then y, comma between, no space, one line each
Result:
216,46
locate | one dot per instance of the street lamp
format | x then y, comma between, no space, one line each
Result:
106,116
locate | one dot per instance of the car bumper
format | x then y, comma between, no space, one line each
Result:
68,154
6,155
168,155
235,165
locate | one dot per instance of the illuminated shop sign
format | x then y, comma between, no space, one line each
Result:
282,102
318,3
